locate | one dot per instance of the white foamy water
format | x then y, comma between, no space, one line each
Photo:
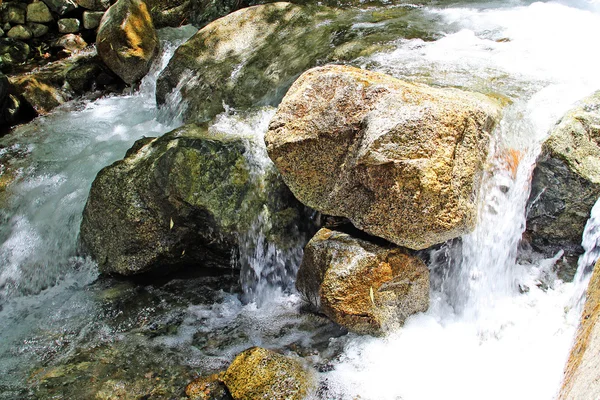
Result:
495,329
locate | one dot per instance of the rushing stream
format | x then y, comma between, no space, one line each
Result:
497,328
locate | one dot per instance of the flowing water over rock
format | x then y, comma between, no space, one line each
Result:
496,328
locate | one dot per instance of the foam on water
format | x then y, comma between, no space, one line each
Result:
495,329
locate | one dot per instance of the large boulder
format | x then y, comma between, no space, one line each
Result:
127,41
252,56
401,161
259,373
367,287
582,373
566,183
184,199
248,57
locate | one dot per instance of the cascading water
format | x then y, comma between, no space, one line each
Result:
496,329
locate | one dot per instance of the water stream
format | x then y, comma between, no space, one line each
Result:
496,329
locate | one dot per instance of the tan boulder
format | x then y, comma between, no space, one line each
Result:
401,161
365,287
127,41
582,374
259,373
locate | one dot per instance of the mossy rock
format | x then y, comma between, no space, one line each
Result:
258,373
182,199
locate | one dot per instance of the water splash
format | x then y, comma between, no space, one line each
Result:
267,269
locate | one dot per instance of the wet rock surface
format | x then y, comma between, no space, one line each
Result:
366,287
566,184
401,161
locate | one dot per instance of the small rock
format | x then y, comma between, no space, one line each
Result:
207,388
363,286
68,25
95,5
70,42
61,7
1,32
6,27
20,32
91,19
16,14
38,30
259,373
39,12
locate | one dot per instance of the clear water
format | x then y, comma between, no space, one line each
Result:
495,329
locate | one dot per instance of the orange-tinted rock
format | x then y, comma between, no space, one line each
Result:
401,161
127,41
365,287
582,374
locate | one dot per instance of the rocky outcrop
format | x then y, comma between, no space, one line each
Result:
183,199
566,183
401,161
366,287
259,373
127,41
582,373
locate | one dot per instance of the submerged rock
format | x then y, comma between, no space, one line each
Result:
566,183
365,287
582,373
127,41
401,161
259,373
183,199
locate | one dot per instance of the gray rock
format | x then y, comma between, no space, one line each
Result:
38,30
20,32
366,287
182,199
16,13
402,161
566,183
91,19
39,12
61,7
95,5
68,25
129,59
